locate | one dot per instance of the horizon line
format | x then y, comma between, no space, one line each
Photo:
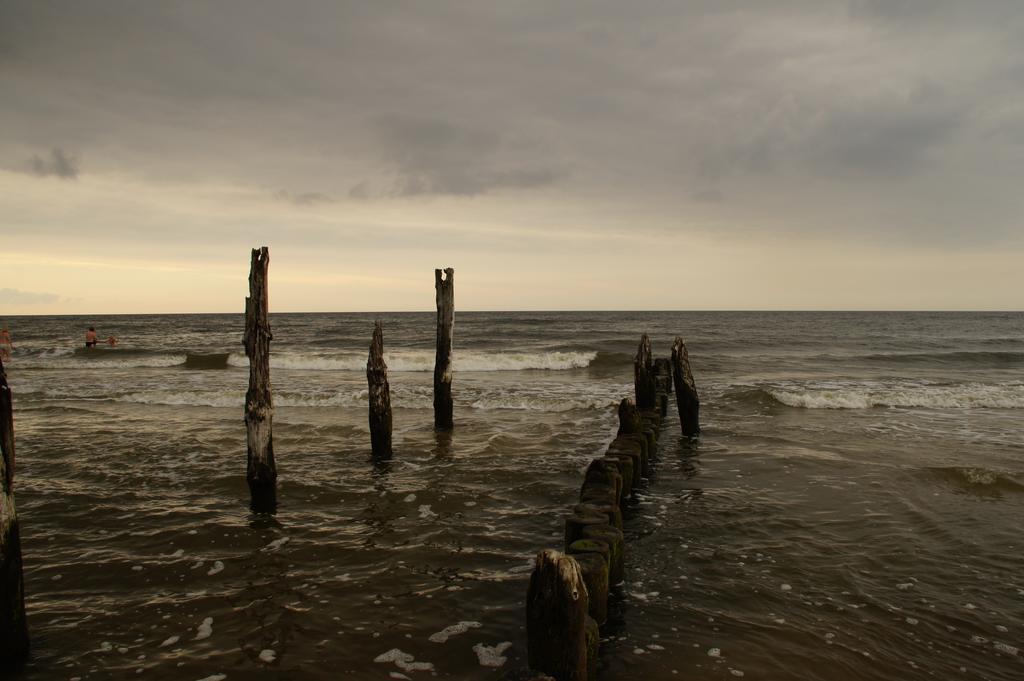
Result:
548,311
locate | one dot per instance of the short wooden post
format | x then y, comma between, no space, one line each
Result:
13,625
443,359
629,418
687,400
556,617
380,395
643,374
259,404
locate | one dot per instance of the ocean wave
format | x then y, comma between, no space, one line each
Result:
977,480
965,396
986,358
423,360
415,398
399,361
549,405
110,359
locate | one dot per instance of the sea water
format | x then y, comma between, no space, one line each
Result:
852,510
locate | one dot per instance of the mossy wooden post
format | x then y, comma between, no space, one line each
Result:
686,390
643,375
444,286
259,404
13,626
379,394
556,617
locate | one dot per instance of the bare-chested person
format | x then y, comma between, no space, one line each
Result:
90,337
6,345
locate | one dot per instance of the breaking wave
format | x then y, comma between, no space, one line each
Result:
965,396
977,480
398,361
423,360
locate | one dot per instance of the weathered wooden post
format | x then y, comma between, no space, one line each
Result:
643,374
13,625
686,391
259,404
443,359
556,617
380,395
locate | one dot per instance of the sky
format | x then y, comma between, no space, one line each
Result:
805,154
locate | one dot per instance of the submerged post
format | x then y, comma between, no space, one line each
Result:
13,626
686,390
380,395
643,375
259,404
443,359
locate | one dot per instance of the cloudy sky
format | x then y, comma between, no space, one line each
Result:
810,154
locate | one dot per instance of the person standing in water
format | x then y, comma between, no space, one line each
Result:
90,337
6,345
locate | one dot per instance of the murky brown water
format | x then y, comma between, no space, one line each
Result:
852,510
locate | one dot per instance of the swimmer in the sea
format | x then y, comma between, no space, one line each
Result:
90,337
6,345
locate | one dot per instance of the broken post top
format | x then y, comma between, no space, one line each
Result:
257,319
643,352
681,358
444,281
375,361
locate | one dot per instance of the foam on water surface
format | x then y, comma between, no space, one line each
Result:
453,630
491,656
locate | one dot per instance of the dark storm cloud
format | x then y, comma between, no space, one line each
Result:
669,105
435,156
56,163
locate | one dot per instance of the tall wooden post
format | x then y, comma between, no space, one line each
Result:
380,395
443,359
686,390
643,375
259,404
13,626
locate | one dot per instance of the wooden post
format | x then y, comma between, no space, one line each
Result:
556,617
13,625
686,391
443,359
643,375
259,404
380,395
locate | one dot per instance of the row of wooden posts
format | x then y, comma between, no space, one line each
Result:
568,596
562,586
261,469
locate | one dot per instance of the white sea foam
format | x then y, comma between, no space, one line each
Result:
453,630
215,677
170,641
267,655
530,403
423,360
218,566
965,396
276,544
404,661
205,630
491,656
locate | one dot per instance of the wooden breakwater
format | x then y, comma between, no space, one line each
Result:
569,592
